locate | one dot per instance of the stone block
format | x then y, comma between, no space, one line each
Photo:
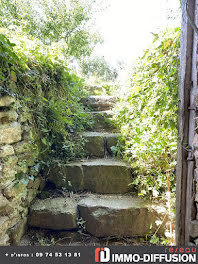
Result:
14,190
106,176
5,205
97,175
194,228
67,176
31,194
6,150
4,241
33,190
9,170
97,143
54,213
103,121
99,103
6,101
120,216
26,159
8,116
4,222
14,218
17,231
94,145
112,141
10,133
22,147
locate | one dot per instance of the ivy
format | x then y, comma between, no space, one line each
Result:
148,114
49,96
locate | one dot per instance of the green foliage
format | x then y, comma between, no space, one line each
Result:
65,21
49,96
148,114
98,67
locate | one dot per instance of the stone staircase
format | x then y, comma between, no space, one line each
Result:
107,206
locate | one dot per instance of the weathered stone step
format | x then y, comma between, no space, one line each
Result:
98,175
99,102
120,216
104,215
99,143
54,213
103,121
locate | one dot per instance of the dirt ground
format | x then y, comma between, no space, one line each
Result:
40,237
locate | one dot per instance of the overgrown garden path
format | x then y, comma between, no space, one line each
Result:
99,199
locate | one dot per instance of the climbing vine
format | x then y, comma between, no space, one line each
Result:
148,115
49,95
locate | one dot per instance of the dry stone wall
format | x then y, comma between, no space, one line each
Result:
19,182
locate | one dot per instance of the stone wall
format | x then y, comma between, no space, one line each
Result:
19,181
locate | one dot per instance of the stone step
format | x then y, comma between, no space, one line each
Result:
120,216
97,175
54,213
98,144
103,215
99,102
103,121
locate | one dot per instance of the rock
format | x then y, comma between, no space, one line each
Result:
6,150
16,215
54,213
10,133
119,216
9,170
68,176
22,147
25,115
99,103
33,191
14,190
6,100
94,145
112,141
194,228
17,231
4,221
98,175
106,176
4,241
96,141
4,205
8,116
31,194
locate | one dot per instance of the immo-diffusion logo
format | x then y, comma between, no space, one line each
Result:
172,255
102,255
